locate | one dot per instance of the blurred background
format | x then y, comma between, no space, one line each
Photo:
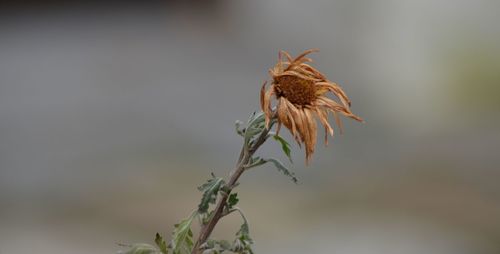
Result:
111,113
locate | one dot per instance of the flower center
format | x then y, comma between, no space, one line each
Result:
297,90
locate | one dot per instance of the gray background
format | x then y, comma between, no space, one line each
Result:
111,115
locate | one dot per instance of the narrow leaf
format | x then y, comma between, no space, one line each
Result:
255,162
283,169
182,237
285,146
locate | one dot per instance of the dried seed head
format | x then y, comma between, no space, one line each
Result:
302,95
298,91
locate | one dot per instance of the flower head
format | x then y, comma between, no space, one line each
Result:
301,94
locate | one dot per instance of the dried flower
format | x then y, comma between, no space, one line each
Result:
301,93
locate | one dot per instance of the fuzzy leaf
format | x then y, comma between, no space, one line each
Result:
251,132
160,242
252,116
285,146
283,169
244,229
210,190
182,237
243,243
142,248
256,125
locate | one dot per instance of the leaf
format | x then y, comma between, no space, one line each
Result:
210,190
232,200
142,248
160,242
182,237
205,217
259,120
243,243
255,162
256,124
237,126
244,229
285,146
251,132
224,245
252,116
283,169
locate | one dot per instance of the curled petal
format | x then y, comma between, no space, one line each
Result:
336,90
323,118
282,114
288,57
311,133
305,53
312,70
297,74
262,95
266,103
339,123
295,121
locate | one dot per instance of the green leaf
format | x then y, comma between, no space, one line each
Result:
182,237
232,200
285,146
283,169
142,248
160,242
210,190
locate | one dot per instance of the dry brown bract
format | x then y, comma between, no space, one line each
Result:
301,93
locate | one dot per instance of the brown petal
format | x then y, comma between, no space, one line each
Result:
311,134
309,51
337,91
279,65
323,118
300,75
305,72
281,113
266,104
262,95
313,70
335,107
288,57
339,123
295,121
331,104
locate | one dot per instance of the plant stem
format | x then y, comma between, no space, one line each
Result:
245,155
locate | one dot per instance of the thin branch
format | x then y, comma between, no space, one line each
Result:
245,155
